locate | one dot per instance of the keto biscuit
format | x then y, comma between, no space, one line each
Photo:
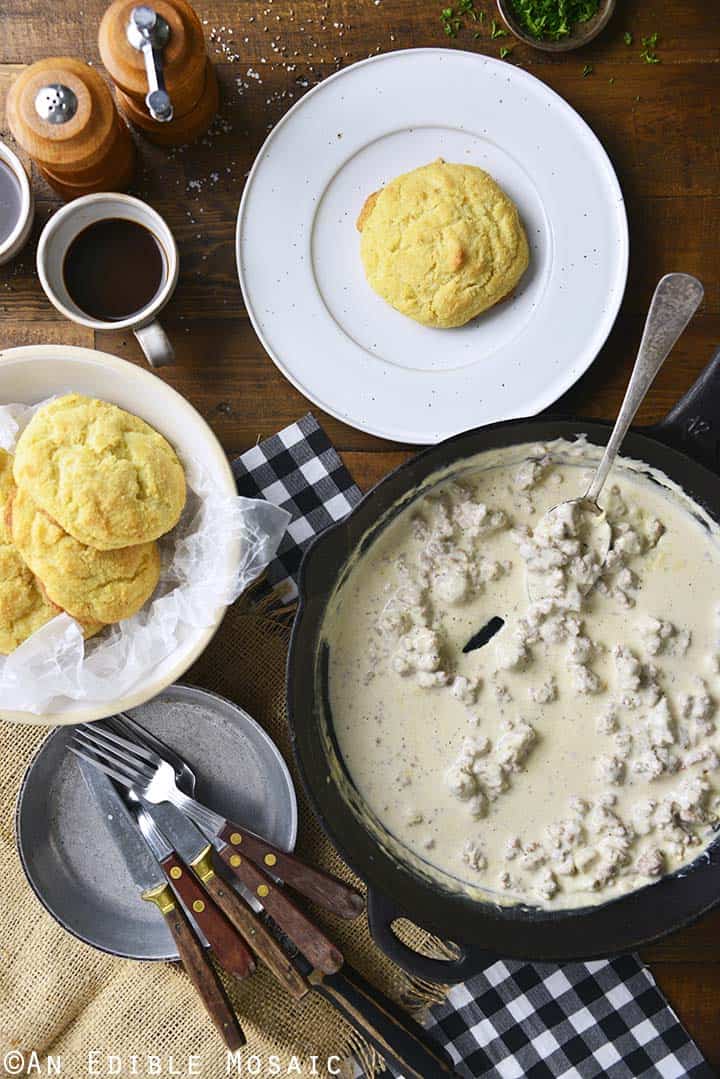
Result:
106,477
23,607
91,585
442,243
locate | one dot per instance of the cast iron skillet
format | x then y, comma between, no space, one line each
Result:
686,446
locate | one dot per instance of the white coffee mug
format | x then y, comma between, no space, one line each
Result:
17,239
59,233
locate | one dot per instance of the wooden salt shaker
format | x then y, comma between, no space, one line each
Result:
166,85
63,114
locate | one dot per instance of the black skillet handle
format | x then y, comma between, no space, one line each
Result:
693,425
397,1037
381,915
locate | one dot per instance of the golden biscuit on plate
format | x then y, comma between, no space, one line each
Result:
23,608
91,585
104,475
442,243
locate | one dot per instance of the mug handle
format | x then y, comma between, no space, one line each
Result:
155,344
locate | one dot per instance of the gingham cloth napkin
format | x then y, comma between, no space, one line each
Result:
515,1019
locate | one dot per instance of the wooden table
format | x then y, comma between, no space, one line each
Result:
655,120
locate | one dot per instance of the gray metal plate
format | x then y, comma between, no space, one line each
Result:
69,858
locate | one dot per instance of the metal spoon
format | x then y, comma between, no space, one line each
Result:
675,301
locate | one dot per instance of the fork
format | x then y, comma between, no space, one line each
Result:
325,890
153,780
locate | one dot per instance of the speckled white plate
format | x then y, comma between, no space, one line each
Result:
299,261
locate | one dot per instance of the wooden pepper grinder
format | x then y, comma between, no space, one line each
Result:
63,114
166,85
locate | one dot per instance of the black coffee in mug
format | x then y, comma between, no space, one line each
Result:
113,269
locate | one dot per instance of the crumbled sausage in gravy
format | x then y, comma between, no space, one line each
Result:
572,757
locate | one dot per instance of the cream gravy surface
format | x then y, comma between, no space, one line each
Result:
573,756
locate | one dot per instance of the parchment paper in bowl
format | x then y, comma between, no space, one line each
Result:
56,666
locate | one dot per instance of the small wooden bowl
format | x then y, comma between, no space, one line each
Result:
581,35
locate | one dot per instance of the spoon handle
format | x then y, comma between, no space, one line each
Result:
675,301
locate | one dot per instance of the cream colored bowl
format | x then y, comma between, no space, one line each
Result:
31,374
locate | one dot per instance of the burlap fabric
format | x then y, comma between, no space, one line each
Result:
60,996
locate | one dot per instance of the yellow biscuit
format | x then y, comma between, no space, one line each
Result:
91,585
23,608
105,476
442,243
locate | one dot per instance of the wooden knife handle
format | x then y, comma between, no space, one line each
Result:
395,1035
228,947
260,939
200,970
310,940
322,888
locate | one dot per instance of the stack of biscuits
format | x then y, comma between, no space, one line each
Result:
89,491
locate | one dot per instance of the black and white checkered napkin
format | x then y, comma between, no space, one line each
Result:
515,1019
299,470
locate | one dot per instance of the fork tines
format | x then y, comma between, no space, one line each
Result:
124,761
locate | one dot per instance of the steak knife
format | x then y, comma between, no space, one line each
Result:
394,1034
226,944
194,849
154,888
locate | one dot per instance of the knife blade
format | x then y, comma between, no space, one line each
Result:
152,886
146,874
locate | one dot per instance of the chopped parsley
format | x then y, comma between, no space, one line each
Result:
587,70
496,30
628,38
451,22
453,18
553,19
504,52
648,49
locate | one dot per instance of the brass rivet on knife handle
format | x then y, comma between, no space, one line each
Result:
226,943
256,934
323,888
307,937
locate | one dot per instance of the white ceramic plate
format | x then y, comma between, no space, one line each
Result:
31,374
299,261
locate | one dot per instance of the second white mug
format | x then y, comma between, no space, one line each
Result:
63,229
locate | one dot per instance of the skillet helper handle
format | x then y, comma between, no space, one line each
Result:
693,424
327,891
470,959
395,1035
199,968
251,928
310,940
227,945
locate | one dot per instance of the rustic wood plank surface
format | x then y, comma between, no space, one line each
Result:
657,121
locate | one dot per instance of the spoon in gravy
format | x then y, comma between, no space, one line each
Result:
675,301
